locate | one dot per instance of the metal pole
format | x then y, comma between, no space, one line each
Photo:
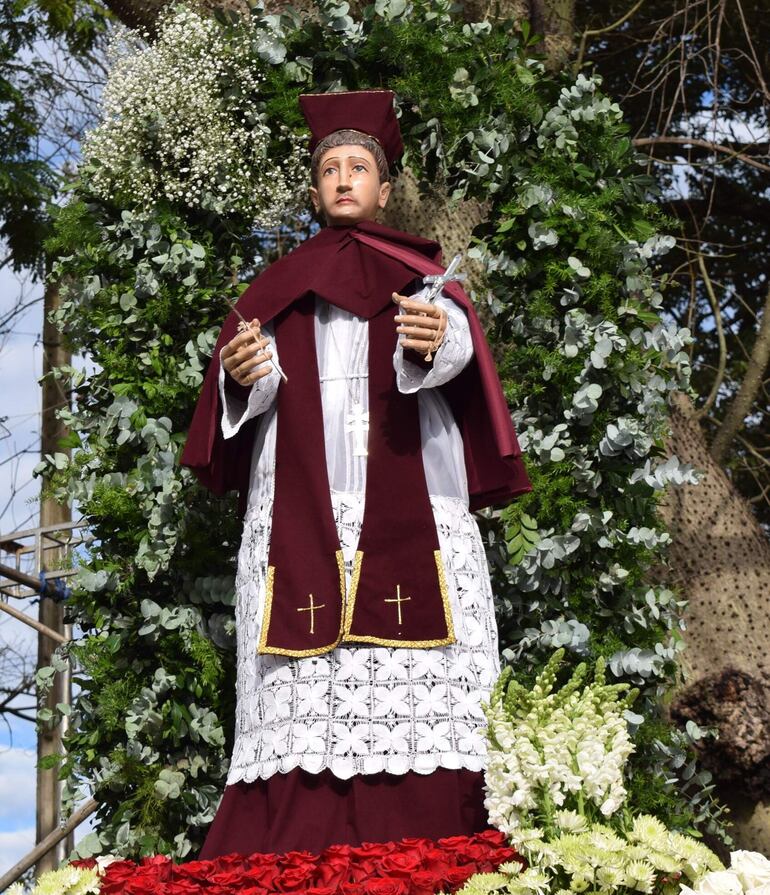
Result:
38,626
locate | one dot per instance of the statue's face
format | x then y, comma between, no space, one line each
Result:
349,188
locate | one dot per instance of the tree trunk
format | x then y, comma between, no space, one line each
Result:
720,560
49,741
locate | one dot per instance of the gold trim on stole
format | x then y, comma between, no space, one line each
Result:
381,641
278,651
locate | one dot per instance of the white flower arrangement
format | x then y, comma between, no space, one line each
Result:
555,784
181,121
548,750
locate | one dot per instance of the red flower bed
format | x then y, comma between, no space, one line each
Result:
408,867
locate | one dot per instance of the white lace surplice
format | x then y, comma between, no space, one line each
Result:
361,709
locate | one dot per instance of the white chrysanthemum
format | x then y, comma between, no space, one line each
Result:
648,830
570,821
65,881
640,876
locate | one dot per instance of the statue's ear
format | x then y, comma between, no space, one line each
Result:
314,198
385,189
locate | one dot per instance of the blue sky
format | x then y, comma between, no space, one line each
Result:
20,363
20,405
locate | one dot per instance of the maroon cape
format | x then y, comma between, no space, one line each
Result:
357,268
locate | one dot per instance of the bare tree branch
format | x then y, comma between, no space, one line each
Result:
704,144
752,381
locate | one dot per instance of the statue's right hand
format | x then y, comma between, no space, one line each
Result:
245,358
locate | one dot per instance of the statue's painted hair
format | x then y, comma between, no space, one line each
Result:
349,138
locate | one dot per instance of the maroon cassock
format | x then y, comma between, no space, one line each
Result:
356,268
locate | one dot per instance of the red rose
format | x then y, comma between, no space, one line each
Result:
335,851
386,885
182,887
264,876
403,864
437,860
454,843
226,877
493,837
230,862
351,889
200,870
477,853
116,875
413,844
297,858
372,850
457,876
423,882
294,877
84,863
320,890
332,870
141,886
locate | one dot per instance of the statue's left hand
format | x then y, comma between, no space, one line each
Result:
421,325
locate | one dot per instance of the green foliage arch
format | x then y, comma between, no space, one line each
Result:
586,359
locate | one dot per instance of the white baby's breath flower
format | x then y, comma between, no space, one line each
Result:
174,128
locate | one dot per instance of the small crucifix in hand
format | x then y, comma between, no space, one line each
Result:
311,609
398,600
437,283
357,422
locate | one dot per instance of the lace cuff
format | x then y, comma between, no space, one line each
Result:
451,358
260,396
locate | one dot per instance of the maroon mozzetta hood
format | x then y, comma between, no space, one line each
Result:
357,268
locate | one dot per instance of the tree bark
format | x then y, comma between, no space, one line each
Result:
720,560
49,740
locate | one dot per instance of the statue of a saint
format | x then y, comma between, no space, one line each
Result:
365,623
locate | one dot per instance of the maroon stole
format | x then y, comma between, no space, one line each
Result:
398,594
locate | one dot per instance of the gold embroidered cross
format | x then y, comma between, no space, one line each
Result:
311,608
398,600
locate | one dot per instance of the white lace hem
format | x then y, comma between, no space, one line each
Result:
345,768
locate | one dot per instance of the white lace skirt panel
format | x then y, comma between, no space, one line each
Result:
361,709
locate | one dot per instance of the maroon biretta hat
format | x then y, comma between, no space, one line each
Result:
368,111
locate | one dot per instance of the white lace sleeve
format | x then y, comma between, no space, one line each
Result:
451,358
261,396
